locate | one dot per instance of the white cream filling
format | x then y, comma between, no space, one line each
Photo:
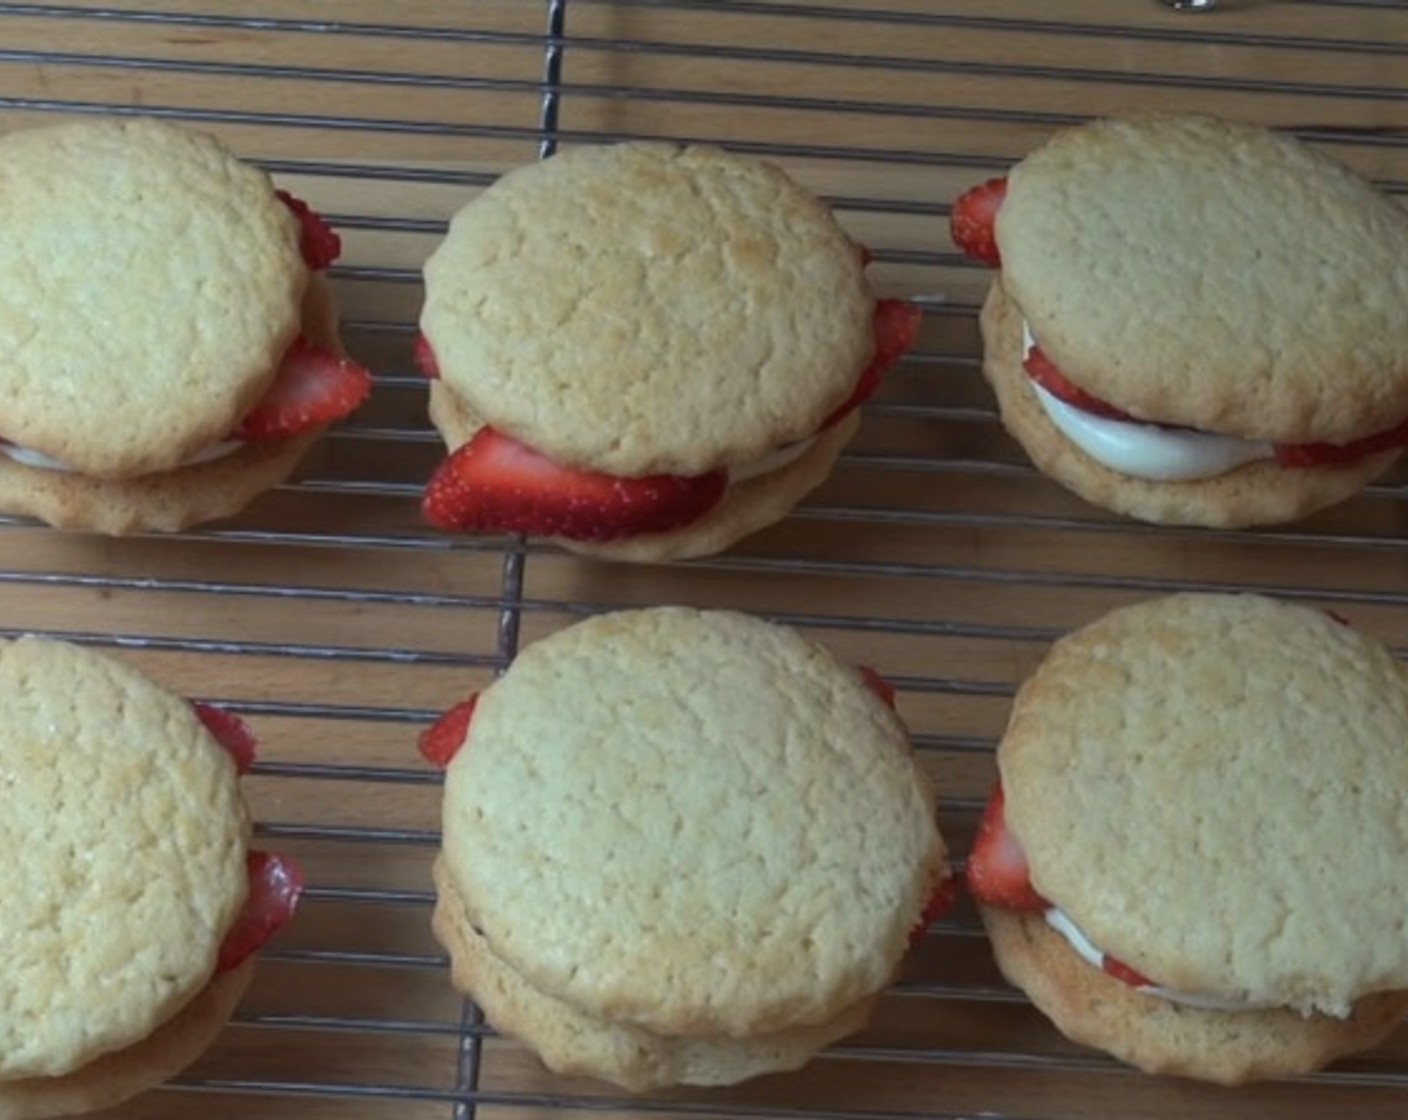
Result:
1146,451
30,458
1093,956
772,461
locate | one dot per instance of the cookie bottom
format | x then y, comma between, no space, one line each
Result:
1261,493
571,1041
1226,1047
122,1074
168,501
746,507
165,502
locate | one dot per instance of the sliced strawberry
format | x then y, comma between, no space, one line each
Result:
317,242
878,684
425,358
972,221
997,866
493,483
232,733
1329,454
1044,372
896,327
313,386
1122,972
442,740
275,884
939,904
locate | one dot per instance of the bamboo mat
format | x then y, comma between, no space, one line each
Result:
338,624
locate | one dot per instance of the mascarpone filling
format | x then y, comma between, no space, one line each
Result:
30,458
1093,956
1147,451
773,461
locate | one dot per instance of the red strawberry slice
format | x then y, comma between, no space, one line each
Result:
1122,972
442,740
318,244
275,885
425,358
972,220
1044,372
896,327
997,867
313,386
493,483
1329,454
232,733
939,904
878,684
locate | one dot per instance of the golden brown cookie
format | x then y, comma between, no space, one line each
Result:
693,824
132,901
1196,320
1201,795
646,319
149,284
648,308
167,350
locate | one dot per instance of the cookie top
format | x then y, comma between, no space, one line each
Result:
149,285
126,841
646,308
697,822
1212,274
1211,787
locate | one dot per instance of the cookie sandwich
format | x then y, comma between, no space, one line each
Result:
1195,321
680,847
646,351
1195,856
133,903
169,347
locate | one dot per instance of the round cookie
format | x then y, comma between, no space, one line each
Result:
746,507
1196,320
570,1041
647,308
171,500
1262,493
149,285
1207,787
1202,272
122,815
646,351
692,824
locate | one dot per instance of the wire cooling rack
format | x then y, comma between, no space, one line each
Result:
339,624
